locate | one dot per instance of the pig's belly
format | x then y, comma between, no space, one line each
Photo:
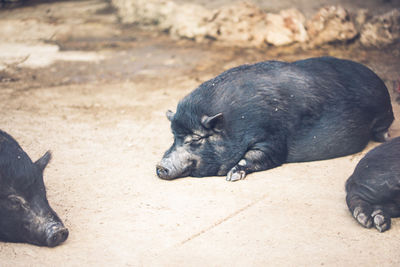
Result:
328,139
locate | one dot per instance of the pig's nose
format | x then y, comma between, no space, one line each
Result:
57,236
162,172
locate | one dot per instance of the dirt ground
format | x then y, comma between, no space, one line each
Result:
95,93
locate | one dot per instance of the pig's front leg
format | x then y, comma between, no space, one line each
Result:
261,156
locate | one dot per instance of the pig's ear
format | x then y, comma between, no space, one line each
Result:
43,161
170,115
213,122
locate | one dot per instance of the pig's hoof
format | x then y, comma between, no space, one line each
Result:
382,136
235,174
362,217
381,220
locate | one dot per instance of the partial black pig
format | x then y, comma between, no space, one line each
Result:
25,214
373,190
256,117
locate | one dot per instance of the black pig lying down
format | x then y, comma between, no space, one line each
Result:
25,214
256,117
373,190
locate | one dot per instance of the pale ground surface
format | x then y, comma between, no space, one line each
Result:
103,118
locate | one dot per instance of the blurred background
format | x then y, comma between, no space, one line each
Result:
91,80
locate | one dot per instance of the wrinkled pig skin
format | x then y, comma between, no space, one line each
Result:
373,190
256,117
25,214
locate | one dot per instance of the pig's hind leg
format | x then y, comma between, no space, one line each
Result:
360,209
368,215
260,157
383,213
381,218
380,128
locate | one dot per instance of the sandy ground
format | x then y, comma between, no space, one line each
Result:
103,116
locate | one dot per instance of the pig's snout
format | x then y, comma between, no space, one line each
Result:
167,171
56,234
176,163
162,172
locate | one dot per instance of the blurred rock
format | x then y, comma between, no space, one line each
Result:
188,21
381,30
240,24
331,24
145,12
244,24
286,27
361,17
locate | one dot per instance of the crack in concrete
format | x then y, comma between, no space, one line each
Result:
217,223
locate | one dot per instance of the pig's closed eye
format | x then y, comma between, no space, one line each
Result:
196,138
193,139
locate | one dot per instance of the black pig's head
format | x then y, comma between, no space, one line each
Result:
200,147
25,214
